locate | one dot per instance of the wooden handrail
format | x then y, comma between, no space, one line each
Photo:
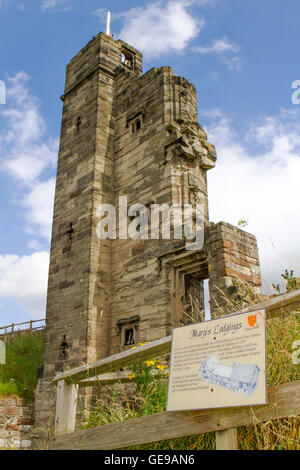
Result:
117,361
113,363
13,326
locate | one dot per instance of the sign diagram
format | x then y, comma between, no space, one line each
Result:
239,378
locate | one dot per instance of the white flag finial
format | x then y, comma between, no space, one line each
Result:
108,24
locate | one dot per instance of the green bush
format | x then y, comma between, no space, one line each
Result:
24,355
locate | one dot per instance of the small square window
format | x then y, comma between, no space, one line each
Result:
127,329
136,125
127,59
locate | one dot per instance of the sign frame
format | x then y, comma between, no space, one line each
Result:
247,315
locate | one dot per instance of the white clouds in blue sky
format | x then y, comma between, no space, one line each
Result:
161,27
225,49
26,154
262,187
217,47
48,5
23,152
165,27
56,5
23,280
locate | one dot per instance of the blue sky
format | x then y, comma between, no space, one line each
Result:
241,55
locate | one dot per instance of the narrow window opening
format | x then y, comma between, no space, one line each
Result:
129,337
63,348
196,299
78,123
207,300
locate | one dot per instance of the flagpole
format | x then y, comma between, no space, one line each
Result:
108,24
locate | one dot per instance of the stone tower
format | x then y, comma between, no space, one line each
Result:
125,134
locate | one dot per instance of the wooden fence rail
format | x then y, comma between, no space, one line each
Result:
283,400
13,328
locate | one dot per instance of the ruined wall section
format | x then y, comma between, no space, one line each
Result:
184,100
232,254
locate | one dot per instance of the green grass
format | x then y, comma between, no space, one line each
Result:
24,354
8,389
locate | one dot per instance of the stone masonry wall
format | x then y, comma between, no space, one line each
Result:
232,254
16,422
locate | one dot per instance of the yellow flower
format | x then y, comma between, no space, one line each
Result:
149,363
131,376
161,367
141,344
133,347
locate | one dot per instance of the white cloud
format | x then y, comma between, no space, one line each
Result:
218,46
56,5
39,205
35,245
257,178
23,152
161,27
45,5
27,154
233,63
224,48
23,280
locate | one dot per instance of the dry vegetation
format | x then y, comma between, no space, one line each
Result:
148,395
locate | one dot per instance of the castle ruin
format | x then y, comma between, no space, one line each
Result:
125,133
